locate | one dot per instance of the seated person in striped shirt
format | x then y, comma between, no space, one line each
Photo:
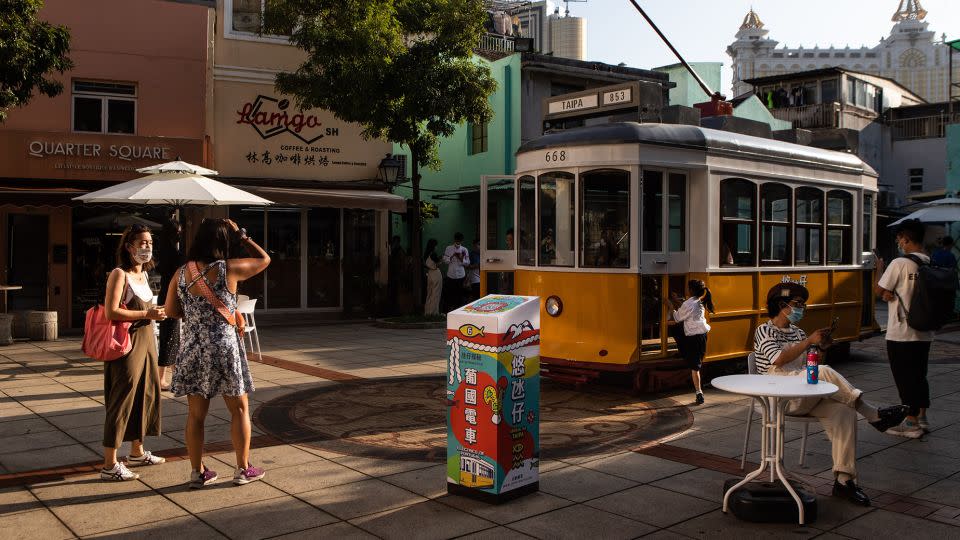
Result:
780,349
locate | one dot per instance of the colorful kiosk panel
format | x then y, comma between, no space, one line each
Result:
493,392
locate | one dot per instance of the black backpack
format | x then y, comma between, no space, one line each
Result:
934,294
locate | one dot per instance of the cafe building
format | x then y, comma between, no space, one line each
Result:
327,231
135,97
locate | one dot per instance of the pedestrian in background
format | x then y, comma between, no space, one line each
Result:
395,262
473,270
169,260
431,265
212,359
944,256
131,384
692,341
908,349
455,257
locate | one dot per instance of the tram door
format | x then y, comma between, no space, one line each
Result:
498,258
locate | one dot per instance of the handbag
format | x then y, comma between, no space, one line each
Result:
103,339
233,319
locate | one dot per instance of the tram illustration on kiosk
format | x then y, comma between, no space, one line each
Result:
604,222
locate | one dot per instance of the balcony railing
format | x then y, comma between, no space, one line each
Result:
497,43
924,127
819,115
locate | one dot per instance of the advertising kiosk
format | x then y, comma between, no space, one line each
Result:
493,397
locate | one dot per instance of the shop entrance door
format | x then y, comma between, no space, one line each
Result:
28,261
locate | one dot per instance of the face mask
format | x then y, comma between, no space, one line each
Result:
143,255
795,314
900,249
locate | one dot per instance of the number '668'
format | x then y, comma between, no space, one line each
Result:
557,155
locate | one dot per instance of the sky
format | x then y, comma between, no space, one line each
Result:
702,29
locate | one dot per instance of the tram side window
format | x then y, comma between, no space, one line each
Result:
525,236
839,227
677,212
809,225
775,224
605,219
867,222
738,219
556,228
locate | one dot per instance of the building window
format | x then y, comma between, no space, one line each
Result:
556,230
101,107
738,202
775,206
249,17
605,219
478,138
916,179
809,226
867,222
839,227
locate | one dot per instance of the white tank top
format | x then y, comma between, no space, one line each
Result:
141,290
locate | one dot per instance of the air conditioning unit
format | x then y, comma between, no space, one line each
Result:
888,199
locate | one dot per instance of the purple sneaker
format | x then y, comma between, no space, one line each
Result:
199,480
250,474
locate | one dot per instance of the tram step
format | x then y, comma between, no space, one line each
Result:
569,375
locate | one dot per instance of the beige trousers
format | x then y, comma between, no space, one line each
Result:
837,415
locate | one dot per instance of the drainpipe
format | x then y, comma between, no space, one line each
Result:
507,119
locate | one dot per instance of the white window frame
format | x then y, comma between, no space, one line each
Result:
104,98
230,33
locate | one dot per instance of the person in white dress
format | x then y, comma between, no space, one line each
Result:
431,264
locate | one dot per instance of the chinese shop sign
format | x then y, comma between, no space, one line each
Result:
493,392
262,135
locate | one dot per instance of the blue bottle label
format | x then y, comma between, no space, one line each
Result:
813,374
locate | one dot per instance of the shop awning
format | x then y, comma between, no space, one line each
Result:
367,199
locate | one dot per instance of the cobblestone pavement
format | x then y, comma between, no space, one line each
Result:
654,469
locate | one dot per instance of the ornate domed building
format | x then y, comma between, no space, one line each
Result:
911,55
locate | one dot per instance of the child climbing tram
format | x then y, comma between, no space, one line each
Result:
690,316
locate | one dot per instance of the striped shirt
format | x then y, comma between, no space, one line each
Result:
769,341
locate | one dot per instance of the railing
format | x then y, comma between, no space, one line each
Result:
496,43
924,127
820,115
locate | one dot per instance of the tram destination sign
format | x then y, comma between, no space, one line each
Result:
594,102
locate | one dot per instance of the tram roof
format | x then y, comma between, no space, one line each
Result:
699,138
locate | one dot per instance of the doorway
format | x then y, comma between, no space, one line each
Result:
28,263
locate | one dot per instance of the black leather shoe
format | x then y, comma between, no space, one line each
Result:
852,492
889,417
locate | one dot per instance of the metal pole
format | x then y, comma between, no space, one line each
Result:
703,85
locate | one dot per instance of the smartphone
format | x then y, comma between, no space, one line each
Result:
834,323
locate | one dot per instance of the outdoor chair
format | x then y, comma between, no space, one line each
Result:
805,420
246,307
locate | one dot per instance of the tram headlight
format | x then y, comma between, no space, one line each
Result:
554,306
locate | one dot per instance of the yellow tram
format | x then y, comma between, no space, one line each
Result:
604,222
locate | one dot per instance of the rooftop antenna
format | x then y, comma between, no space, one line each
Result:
567,4
696,76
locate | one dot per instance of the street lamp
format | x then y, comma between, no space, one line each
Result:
390,169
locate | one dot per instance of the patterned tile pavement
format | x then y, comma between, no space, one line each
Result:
662,482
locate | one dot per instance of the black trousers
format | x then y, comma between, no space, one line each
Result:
908,362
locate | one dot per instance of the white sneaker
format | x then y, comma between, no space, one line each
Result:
146,459
119,473
906,429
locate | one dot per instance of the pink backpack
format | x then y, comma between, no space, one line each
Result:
103,339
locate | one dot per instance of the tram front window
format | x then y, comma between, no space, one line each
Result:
839,227
775,224
605,220
738,215
556,231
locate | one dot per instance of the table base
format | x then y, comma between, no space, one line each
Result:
771,451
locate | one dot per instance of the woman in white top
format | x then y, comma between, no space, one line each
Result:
692,341
132,383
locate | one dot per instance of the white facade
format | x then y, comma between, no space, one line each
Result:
910,55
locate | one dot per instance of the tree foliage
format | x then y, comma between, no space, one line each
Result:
402,69
30,51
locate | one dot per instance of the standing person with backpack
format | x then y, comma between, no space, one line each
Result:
212,360
920,299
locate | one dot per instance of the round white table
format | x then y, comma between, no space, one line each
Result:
773,393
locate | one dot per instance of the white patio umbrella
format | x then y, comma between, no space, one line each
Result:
175,183
939,211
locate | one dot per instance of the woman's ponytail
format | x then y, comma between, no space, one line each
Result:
707,300
699,289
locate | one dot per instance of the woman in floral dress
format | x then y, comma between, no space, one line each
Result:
212,360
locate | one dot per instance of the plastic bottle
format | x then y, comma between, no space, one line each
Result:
813,365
